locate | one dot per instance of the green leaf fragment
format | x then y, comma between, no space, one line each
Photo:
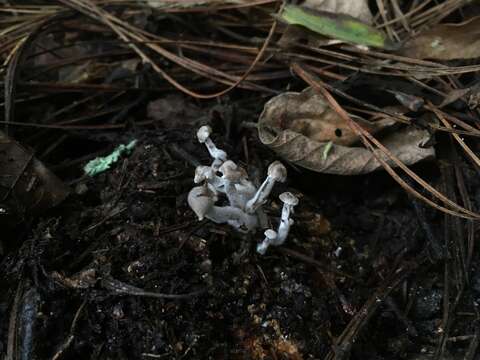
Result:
100,164
326,149
338,26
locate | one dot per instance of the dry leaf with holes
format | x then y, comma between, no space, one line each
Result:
308,114
446,42
298,126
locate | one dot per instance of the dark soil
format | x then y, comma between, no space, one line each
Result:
131,226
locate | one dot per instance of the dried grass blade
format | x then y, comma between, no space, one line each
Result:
118,26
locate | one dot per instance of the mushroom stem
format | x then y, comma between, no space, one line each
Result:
270,236
216,163
289,202
261,195
215,152
231,175
232,194
233,216
245,190
276,172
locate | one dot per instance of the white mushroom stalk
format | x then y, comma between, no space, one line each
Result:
270,236
224,178
276,172
277,238
231,176
289,202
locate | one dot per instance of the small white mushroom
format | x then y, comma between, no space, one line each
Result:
289,202
203,133
270,236
206,173
202,201
245,210
276,172
219,156
202,173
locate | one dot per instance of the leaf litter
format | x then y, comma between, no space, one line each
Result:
446,42
120,269
300,126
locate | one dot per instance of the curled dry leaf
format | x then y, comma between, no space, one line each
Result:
308,114
26,185
446,42
298,126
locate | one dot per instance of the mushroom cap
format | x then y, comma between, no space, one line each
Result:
277,171
232,171
201,199
201,173
288,198
204,133
270,234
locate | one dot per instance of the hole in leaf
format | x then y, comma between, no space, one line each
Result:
338,132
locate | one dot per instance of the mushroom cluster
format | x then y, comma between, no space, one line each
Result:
244,212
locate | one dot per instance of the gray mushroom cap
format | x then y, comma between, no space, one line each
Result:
201,199
202,173
288,198
231,171
270,234
277,171
204,133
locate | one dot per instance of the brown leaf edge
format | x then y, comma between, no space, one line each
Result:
370,142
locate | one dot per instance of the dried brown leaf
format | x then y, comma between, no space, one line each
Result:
307,150
446,42
308,114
